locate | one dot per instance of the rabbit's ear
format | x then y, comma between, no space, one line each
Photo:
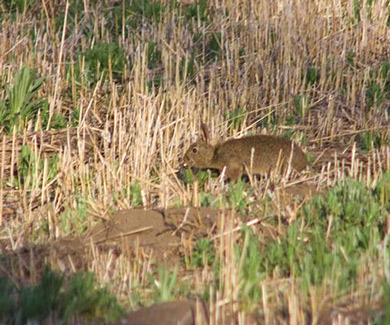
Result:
205,132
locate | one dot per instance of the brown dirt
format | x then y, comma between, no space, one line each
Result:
153,231
186,312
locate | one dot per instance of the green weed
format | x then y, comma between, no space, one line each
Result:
203,253
236,118
6,302
382,191
192,175
74,219
332,235
213,48
312,76
22,103
301,106
141,10
52,299
37,302
84,297
237,196
198,10
378,87
372,140
31,167
19,6
165,285
247,258
103,57
136,194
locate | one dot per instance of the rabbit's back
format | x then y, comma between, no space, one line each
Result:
260,153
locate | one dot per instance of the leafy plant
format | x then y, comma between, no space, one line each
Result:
101,58
52,299
190,176
203,253
198,10
300,105
312,76
84,297
154,55
30,167
378,88
236,118
20,6
164,286
353,219
74,219
372,140
136,194
22,104
37,302
144,10
237,196
247,258
57,121
214,47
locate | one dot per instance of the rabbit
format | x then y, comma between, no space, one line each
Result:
259,154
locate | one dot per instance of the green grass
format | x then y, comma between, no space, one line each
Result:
22,103
53,298
164,284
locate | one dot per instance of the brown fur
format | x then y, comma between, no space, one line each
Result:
259,154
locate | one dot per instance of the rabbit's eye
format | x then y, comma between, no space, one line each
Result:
194,149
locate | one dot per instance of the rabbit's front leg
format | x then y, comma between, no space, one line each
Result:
233,172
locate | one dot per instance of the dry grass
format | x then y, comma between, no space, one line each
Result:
303,69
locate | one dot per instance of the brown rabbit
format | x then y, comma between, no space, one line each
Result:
259,154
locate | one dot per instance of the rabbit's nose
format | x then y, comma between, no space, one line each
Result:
185,162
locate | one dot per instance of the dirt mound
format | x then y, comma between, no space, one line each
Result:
186,312
153,231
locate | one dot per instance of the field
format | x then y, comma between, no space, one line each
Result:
99,100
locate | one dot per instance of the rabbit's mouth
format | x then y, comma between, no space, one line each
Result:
187,162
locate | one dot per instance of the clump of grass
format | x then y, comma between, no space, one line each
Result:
372,140
52,299
203,253
19,6
164,286
198,11
74,220
236,118
332,235
247,258
190,176
378,87
103,58
30,167
22,104
237,194
148,10
312,76
136,194
84,297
